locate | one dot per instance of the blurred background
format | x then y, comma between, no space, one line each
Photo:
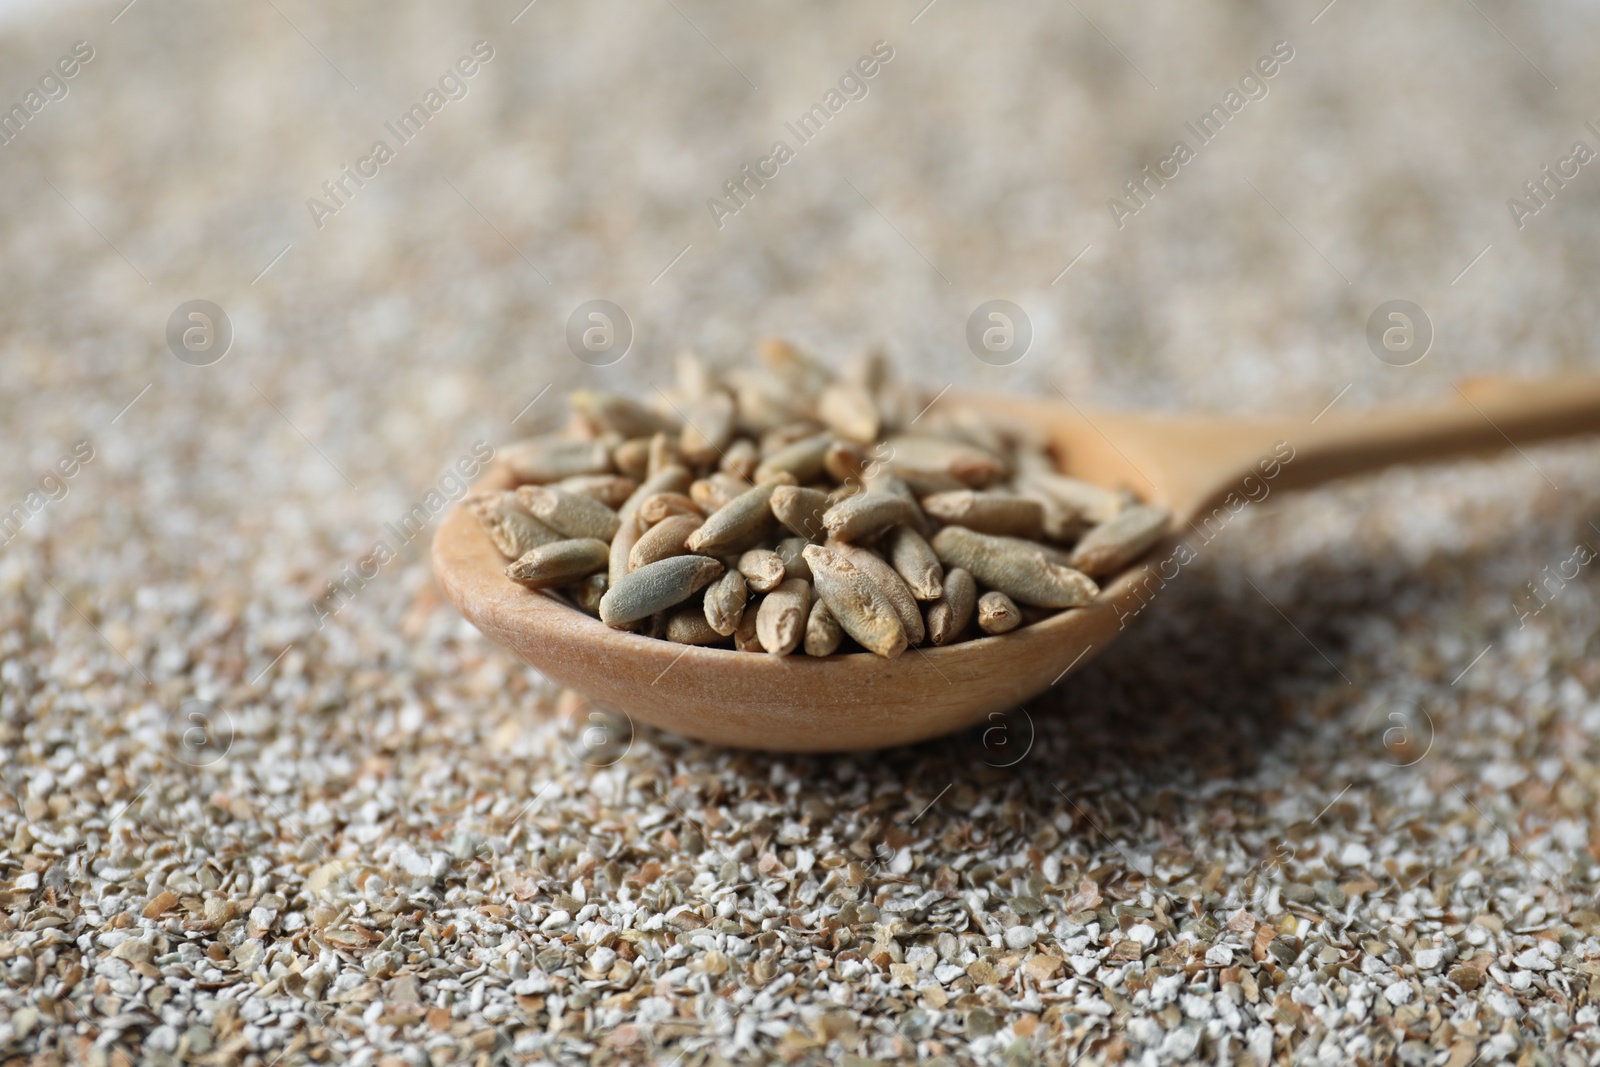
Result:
376,338
371,345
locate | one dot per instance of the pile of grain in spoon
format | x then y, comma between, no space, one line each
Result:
781,508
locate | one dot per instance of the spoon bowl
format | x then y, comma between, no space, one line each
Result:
1204,469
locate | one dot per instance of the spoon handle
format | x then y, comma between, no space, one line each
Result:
1484,415
1193,462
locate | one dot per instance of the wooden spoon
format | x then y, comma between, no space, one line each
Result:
797,704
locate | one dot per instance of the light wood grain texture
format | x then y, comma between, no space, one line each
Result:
860,701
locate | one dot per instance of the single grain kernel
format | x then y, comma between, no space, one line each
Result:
705,497
998,613
1113,545
665,505
588,594
512,527
860,607
612,490
717,491
930,458
762,568
951,614
1016,568
542,460
841,492
569,514
708,427
666,538
725,601
745,637
792,551
801,510
780,437
740,523
629,530
663,454
802,460
1090,503
893,586
822,631
781,619
846,464
858,517
1050,552
632,457
559,563
1058,522
881,480
848,410
924,485
987,512
671,480
688,626
740,458
611,413
656,587
915,561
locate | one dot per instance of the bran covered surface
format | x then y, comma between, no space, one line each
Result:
1332,796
